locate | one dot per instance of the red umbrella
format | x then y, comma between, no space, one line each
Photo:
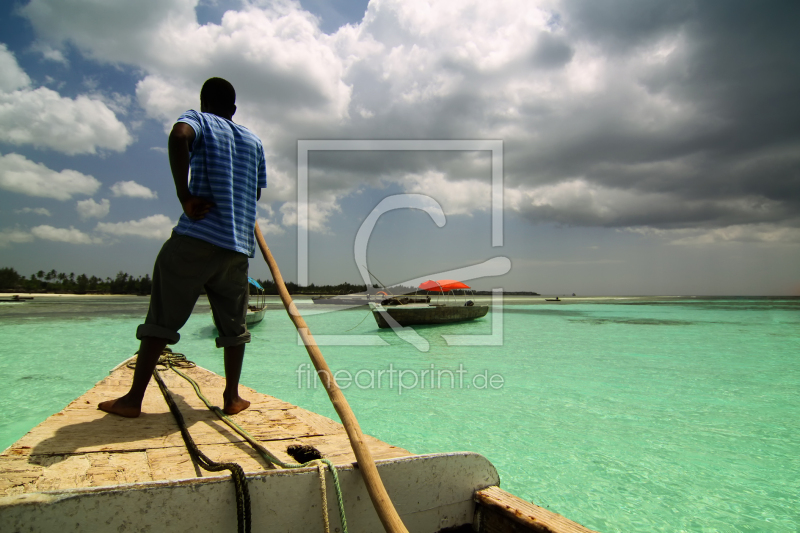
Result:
443,285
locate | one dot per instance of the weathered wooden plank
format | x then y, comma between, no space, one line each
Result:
323,424
83,447
175,463
25,473
501,512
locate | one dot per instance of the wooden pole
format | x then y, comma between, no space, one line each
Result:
377,492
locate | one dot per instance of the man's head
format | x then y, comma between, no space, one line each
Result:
218,97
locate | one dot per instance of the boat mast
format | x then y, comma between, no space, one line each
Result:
376,279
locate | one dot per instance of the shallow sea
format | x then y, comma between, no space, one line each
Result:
623,414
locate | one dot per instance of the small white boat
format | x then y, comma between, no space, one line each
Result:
255,314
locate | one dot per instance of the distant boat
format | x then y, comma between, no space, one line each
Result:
16,298
451,310
255,313
556,299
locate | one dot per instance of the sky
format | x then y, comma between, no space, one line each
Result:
647,147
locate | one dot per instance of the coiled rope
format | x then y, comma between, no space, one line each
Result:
168,359
175,360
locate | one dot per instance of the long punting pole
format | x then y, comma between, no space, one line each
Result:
377,492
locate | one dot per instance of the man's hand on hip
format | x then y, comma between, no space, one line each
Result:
196,207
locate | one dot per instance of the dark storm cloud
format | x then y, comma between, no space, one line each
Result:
551,52
738,71
619,25
708,135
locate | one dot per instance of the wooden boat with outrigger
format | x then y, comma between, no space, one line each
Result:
447,308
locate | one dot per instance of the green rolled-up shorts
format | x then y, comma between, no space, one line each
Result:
184,267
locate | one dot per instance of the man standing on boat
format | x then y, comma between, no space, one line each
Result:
210,246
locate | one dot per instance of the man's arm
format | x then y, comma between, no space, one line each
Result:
180,141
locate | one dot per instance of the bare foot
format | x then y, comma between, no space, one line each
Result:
120,407
234,405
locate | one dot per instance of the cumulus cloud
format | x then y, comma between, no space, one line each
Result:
318,214
268,227
461,197
50,53
70,235
116,102
152,227
267,223
132,189
90,209
21,175
275,55
643,113
13,236
44,119
34,210
12,77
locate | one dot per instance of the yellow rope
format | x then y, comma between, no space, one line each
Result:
327,525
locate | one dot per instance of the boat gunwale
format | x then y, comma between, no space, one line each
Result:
56,495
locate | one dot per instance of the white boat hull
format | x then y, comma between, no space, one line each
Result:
254,317
430,492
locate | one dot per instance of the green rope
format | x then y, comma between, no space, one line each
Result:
265,454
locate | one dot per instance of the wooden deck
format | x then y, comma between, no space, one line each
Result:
83,447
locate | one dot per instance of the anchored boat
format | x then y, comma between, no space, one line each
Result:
255,313
85,470
448,307
16,298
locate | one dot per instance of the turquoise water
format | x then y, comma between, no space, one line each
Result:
622,414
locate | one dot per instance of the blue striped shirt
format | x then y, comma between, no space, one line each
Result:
228,168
